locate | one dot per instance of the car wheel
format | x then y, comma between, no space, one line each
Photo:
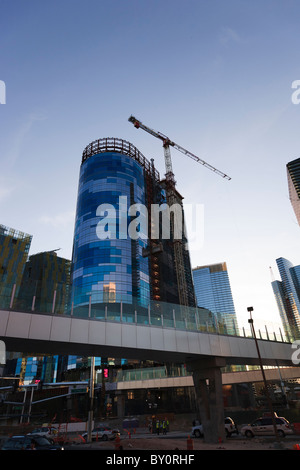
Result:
104,437
249,434
197,433
228,434
280,433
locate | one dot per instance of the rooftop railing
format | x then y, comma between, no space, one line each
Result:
112,144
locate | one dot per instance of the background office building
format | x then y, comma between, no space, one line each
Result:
293,176
35,368
287,295
14,249
45,283
44,287
213,292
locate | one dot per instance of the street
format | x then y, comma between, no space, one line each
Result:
177,440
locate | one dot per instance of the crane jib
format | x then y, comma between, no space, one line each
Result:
167,142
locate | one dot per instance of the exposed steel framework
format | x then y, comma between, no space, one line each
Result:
171,199
112,144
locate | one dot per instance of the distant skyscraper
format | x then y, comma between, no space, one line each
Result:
213,292
14,248
44,288
287,295
46,282
293,175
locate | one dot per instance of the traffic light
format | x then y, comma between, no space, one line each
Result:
39,384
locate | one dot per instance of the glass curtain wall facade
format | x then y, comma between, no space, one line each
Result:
44,288
45,283
118,188
213,292
14,249
108,266
293,176
287,295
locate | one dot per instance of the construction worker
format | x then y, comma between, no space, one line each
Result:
167,424
164,426
157,426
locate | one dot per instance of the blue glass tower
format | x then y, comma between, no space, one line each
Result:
287,295
108,265
213,292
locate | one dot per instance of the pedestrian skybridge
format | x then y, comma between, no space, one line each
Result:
33,332
110,325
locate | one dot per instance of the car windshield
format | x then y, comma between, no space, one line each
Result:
257,422
16,443
42,441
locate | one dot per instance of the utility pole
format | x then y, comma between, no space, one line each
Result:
91,400
250,321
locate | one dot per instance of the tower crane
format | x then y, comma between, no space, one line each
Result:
171,198
167,143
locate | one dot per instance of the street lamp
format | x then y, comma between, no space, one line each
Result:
91,400
250,310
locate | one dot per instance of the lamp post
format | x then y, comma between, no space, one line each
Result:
91,400
250,320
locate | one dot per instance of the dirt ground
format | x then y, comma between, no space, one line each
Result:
171,444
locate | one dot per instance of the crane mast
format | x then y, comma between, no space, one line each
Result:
178,248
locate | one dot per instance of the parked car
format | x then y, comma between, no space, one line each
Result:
230,428
104,433
264,426
30,443
197,431
46,431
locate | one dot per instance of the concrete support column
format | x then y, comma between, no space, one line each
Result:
207,379
121,406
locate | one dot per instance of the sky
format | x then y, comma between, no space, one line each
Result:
215,76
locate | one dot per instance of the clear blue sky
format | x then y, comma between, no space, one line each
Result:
215,76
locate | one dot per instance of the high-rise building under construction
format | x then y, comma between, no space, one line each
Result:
115,259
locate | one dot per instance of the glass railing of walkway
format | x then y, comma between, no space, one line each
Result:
149,373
